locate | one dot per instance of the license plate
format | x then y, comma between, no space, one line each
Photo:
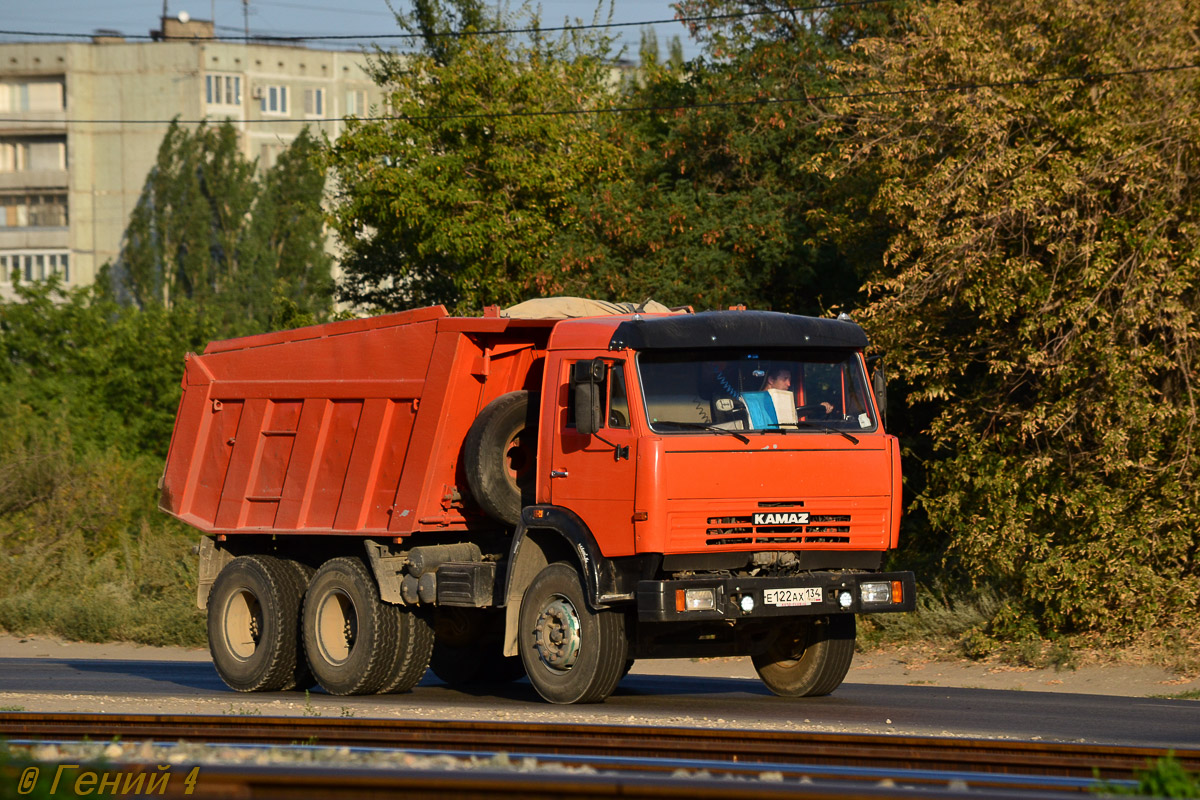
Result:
807,596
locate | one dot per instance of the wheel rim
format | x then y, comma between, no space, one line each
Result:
556,635
337,627
794,645
518,460
243,622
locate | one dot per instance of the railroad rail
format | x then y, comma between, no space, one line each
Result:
647,759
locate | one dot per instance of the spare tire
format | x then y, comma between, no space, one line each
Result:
500,456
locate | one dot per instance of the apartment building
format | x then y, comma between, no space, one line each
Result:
81,123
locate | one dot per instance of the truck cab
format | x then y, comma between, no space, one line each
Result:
727,516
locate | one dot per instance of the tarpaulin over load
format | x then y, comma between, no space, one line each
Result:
572,307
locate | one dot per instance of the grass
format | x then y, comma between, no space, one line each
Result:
1165,777
84,553
938,616
947,626
1191,694
244,711
309,709
142,590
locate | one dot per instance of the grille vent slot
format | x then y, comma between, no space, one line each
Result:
742,530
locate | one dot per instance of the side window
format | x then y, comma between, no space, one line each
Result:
618,399
615,398
570,422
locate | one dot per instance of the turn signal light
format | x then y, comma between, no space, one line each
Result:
695,599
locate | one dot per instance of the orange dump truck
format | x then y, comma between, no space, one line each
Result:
498,497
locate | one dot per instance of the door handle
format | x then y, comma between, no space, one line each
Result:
558,473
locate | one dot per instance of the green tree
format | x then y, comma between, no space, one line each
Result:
288,258
711,206
209,230
1038,291
456,194
106,374
88,391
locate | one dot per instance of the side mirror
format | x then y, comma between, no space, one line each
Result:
587,385
879,384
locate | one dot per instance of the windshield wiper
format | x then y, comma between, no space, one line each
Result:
827,429
705,426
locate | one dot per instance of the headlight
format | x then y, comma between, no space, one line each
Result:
875,592
695,599
845,599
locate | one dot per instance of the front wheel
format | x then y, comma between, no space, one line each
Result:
571,653
809,657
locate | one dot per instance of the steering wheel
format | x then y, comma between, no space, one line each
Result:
616,419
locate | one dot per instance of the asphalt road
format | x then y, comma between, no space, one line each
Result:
150,686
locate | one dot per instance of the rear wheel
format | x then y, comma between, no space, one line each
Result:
252,624
302,677
571,653
809,657
468,648
350,635
414,645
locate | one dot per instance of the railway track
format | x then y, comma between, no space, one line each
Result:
633,761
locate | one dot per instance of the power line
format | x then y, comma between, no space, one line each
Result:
1086,77
464,34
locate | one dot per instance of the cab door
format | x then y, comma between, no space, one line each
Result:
593,476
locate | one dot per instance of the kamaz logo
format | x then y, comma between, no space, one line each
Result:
796,518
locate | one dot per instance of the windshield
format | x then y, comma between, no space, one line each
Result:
761,390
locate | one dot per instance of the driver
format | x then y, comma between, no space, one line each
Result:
781,378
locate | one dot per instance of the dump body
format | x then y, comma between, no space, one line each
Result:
351,427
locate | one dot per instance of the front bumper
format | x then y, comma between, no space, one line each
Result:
662,601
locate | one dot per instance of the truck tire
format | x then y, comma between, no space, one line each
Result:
468,648
350,635
571,653
302,677
500,456
809,657
252,624
414,648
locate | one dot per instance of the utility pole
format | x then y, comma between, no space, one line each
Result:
245,17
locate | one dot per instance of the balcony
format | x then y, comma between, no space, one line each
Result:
34,179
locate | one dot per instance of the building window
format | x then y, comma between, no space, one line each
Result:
356,102
33,153
274,100
35,266
223,90
314,102
33,94
29,210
